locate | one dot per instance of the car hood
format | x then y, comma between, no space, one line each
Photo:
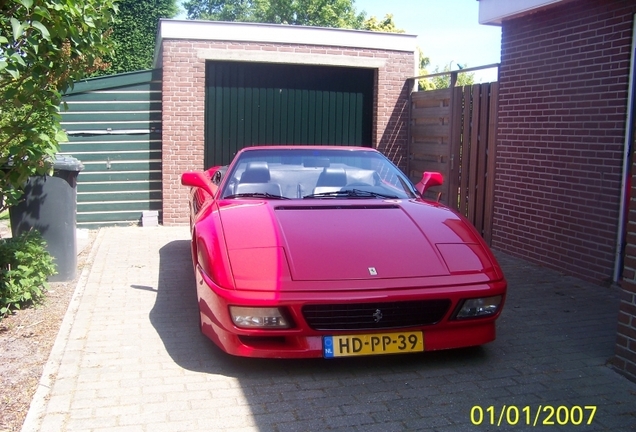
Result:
348,240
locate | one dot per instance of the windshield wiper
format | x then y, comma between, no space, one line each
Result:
256,195
350,193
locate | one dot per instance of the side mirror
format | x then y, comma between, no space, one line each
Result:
197,179
429,179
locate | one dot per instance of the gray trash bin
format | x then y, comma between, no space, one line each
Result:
49,205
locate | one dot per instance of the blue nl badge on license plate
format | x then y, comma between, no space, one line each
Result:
327,347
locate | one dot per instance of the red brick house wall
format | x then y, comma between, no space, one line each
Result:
184,105
625,359
562,115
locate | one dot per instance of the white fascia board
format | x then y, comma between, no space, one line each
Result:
284,34
494,12
291,58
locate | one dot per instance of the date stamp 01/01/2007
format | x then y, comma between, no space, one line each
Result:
543,415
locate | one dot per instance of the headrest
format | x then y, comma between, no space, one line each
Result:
332,177
256,172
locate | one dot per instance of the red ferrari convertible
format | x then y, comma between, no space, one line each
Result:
332,252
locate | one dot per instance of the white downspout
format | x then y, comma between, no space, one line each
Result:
626,162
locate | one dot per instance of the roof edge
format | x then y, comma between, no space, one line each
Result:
494,12
114,81
284,34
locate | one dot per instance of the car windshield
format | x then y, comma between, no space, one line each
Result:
315,174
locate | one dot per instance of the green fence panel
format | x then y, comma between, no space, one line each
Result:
113,125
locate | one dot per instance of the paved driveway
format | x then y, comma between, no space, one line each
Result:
129,357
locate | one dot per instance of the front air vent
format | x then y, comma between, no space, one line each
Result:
373,316
341,207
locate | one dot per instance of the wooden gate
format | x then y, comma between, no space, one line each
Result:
430,143
453,131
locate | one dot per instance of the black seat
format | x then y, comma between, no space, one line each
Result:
331,179
255,179
256,172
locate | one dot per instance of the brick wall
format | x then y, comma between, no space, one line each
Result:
183,98
625,359
562,110
184,105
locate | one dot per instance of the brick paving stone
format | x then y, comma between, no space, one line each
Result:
319,384
138,428
416,391
130,358
181,426
427,423
382,427
349,420
303,425
327,402
394,415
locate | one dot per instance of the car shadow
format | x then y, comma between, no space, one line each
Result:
175,318
554,337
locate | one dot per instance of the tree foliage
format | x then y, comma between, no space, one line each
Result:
320,13
385,25
134,34
45,45
443,81
423,63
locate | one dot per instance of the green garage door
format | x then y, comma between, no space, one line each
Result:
268,104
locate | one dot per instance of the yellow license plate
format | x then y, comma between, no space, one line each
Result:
372,344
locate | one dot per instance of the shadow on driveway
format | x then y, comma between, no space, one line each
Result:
175,317
554,338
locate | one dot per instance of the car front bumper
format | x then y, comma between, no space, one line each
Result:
301,341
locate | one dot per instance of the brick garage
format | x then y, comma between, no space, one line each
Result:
183,48
563,123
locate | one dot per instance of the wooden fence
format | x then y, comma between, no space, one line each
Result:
453,131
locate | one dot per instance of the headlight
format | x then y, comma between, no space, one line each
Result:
479,307
257,317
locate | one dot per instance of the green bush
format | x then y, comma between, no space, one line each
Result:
25,266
